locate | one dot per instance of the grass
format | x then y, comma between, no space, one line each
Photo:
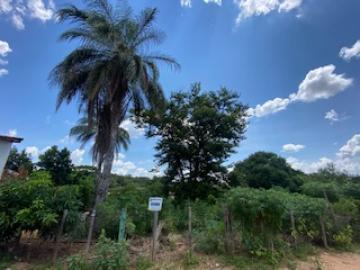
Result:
243,261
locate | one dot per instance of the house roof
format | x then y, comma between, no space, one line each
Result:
10,139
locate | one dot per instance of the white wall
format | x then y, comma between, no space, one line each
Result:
4,153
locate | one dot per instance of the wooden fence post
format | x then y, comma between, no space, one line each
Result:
229,240
323,232
59,234
293,227
190,230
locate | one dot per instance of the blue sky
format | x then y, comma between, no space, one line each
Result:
296,63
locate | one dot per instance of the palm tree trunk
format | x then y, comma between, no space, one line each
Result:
102,185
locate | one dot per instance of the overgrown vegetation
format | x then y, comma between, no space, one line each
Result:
263,210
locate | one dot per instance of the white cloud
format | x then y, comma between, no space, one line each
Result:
218,2
319,83
123,167
185,3
293,148
5,6
33,151
250,8
347,159
18,10
40,11
188,3
269,107
351,148
3,62
4,48
309,167
3,72
289,5
132,129
4,51
77,156
18,21
12,132
332,116
349,53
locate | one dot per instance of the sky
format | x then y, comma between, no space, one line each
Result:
296,63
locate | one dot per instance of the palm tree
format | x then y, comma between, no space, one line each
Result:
108,72
85,134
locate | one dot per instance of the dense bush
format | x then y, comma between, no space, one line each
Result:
35,204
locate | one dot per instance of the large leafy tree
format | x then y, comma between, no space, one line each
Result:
198,132
265,170
110,70
58,163
19,161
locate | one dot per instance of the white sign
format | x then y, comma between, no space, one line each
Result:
155,204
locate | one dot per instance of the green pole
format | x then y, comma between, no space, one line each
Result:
122,224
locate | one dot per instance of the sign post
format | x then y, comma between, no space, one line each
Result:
122,224
155,205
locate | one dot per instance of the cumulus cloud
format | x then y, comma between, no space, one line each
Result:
293,148
332,116
250,8
35,152
269,107
77,156
348,53
123,167
351,148
347,159
40,11
309,167
319,83
132,129
18,10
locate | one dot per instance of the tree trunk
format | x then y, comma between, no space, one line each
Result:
102,185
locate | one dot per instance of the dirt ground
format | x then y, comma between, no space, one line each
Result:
332,261
171,256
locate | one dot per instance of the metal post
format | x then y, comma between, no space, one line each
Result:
155,224
122,224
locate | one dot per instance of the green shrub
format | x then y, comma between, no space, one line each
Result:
77,262
210,239
344,237
143,263
110,255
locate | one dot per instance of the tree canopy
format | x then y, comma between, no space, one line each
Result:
198,131
58,163
19,161
265,170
